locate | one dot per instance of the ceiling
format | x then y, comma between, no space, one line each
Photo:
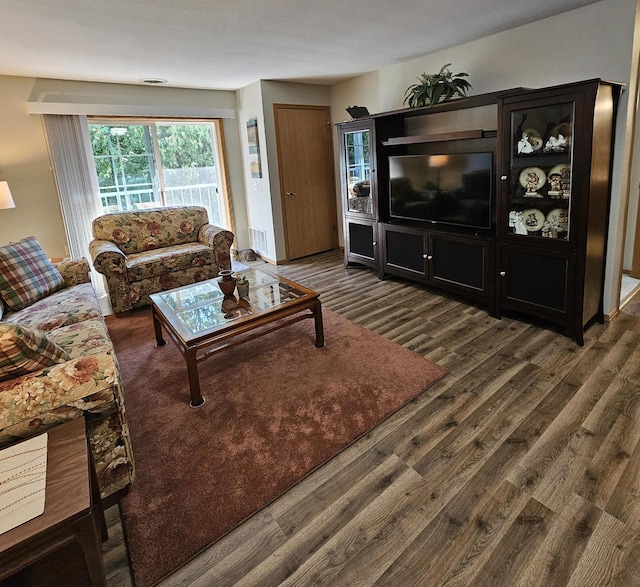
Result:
229,44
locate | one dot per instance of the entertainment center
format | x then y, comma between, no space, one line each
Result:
501,197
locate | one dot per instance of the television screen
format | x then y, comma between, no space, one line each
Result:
453,188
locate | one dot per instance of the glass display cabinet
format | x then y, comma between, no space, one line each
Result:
553,199
541,141
358,171
357,167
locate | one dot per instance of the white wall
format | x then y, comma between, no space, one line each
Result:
264,202
594,41
258,194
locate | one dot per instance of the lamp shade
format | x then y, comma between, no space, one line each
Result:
6,201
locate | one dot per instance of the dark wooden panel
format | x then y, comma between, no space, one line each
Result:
361,239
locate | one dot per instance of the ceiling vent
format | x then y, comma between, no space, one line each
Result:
154,81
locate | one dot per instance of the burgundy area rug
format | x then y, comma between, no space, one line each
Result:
276,408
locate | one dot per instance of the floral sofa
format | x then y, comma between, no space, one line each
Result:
84,382
147,251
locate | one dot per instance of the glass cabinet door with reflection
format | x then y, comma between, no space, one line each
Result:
357,168
540,172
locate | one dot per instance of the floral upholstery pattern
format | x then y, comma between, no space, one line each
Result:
68,306
88,384
147,251
168,259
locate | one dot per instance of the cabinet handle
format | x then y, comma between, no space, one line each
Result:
503,177
427,257
503,273
374,243
289,194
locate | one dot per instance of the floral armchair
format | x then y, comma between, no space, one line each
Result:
147,251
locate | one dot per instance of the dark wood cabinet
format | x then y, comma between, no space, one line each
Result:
544,252
359,192
555,156
463,265
456,263
361,242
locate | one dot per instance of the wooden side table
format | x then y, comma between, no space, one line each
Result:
47,548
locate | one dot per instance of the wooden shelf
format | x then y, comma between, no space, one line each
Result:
439,137
455,104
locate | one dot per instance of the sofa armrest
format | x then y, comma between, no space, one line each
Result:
80,381
106,257
74,272
215,236
220,240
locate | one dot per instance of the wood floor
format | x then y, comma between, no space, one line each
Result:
520,468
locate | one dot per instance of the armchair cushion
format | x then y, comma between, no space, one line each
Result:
26,274
168,259
24,349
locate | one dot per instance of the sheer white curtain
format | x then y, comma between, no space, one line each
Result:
77,182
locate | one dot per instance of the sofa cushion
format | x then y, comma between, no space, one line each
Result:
24,350
168,259
26,275
83,339
145,230
67,306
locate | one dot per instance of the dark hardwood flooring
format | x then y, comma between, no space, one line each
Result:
520,468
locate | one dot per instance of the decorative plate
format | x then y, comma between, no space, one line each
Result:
560,169
534,138
533,219
559,219
532,179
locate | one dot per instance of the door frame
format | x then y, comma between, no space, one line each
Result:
334,207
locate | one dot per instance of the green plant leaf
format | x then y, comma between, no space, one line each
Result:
436,87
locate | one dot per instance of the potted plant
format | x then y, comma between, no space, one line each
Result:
243,287
437,87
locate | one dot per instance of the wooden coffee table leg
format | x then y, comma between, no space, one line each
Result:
197,400
317,318
157,328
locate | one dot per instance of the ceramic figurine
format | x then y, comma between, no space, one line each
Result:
532,185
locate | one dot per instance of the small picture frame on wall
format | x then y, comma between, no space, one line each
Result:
254,148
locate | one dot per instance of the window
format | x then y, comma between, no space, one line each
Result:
148,164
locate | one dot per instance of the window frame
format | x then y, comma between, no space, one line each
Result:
217,128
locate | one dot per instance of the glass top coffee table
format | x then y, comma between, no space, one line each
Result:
202,321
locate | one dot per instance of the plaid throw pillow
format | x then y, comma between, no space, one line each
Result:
24,350
26,275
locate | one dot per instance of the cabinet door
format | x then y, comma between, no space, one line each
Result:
405,251
357,152
537,282
461,264
360,242
538,191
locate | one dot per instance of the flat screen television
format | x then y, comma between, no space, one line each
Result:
454,188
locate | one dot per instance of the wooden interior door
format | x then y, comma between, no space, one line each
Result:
305,161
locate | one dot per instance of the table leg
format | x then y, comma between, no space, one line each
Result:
157,328
88,539
197,400
317,318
